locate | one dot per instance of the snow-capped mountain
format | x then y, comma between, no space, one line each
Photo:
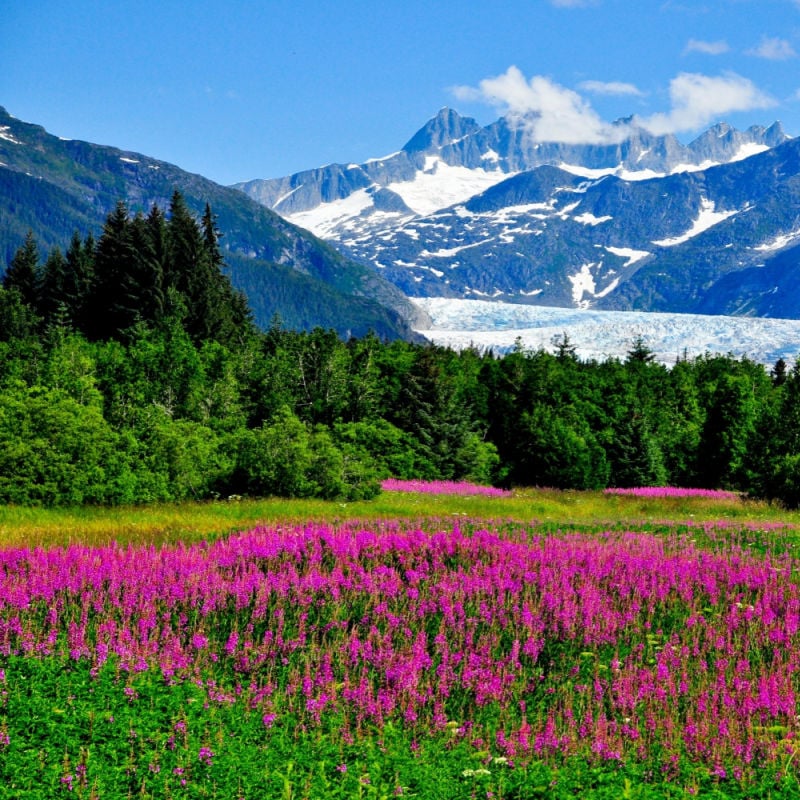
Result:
550,237
452,158
646,223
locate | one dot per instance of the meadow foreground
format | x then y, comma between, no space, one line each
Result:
453,655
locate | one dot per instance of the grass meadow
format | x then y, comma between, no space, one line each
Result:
429,645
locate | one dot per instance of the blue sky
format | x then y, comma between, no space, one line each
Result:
255,88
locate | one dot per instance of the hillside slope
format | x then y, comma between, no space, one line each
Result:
54,187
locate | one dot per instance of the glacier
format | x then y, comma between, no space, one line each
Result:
601,335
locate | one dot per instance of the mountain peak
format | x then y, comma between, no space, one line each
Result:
775,134
446,127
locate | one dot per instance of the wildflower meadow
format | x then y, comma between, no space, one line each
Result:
464,488
673,491
434,657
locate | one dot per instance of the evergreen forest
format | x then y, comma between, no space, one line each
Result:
131,371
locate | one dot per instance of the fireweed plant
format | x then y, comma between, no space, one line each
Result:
388,659
674,491
442,487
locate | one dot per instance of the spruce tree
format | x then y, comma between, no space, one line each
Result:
115,299
23,273
232,319
211,237
184,247
148,237
214,309
636,458
53,285
779,373
190,271
79,279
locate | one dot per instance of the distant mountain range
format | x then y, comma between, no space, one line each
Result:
646,223
54,187
461,211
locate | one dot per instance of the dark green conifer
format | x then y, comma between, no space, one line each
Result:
190,270
115,300
23,273
148,237
53,287
79,279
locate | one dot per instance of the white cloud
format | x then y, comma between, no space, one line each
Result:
612,87
551,113
773,49
708,48
698,100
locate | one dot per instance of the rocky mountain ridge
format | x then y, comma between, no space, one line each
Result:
646,223
447,147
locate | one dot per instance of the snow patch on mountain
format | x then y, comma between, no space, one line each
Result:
9,137
582,283
779,242
626,252
440,185
639,174
601,335
383,158
619,171
286,195
513,213
326,217
749,149
707,217
707,164
588,172
449,252
610,288
587,218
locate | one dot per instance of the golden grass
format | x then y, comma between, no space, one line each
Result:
188,522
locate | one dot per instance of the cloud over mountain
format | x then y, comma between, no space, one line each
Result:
611,88
699,99
551,112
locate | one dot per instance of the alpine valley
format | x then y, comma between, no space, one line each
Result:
645,223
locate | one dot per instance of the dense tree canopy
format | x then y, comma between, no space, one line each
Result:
130,371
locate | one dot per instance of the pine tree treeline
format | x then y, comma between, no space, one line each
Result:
142,270
130,372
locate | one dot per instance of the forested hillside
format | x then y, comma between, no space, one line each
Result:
130,372
53,187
